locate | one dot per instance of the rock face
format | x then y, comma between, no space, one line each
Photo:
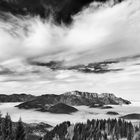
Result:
73,98
86,98
16,98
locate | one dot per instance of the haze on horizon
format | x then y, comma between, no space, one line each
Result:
99,32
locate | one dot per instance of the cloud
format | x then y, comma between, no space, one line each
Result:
100,31
122,83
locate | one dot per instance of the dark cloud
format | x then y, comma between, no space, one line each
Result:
60,57
99,67
54,65
6,71
62,11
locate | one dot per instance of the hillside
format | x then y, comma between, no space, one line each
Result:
59,108
74,98
131,117
111,129
21,131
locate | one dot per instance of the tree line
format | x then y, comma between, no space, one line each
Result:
10,130
110,129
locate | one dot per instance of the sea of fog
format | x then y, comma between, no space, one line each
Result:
84,113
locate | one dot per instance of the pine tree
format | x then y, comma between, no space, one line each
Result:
1,136
0,124
130,132
20,131
7,130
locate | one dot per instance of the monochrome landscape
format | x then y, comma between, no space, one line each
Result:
69,70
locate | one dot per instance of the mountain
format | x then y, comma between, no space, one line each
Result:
73,98
59,108
131,117
62,11
86,98
16,98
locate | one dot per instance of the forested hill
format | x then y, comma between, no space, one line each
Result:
10,130
62,10
110,129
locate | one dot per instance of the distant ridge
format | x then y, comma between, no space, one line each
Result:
16,98
134,116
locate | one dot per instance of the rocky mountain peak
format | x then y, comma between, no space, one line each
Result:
90,95
107,95
82,94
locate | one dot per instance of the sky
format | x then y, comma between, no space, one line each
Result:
98,33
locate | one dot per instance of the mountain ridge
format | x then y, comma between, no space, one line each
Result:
87,95
74,98
16,97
